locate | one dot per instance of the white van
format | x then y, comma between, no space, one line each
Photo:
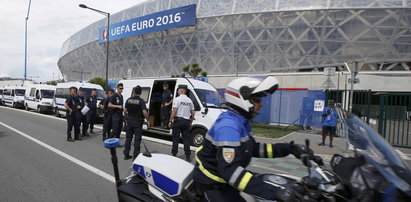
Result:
13,96
62,92
39,97
1,95
208,103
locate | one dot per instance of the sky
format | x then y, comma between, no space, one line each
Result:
50,23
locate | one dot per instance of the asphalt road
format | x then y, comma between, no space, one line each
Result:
38,164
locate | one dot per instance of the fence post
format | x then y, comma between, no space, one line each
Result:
369,94
382,115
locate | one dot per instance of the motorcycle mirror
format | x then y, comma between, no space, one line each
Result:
146,153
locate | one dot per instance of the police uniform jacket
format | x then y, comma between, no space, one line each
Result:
135,106
72,102
80,101
92,102
226,152
116,99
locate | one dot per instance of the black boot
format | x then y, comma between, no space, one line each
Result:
77,137
188,158
69,139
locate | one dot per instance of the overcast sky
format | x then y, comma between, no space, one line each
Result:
50,23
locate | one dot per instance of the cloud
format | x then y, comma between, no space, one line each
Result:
50,23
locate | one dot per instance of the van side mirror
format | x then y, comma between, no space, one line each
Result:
205,108
197,107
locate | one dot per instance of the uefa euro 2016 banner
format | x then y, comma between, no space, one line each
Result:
173,18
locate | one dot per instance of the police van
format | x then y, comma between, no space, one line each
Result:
13,96
62,92
39,97
1,95
208,103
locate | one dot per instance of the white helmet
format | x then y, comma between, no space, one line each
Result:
239,92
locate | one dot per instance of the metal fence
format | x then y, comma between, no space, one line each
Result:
394,120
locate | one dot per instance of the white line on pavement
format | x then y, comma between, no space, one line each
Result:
70,158
403,155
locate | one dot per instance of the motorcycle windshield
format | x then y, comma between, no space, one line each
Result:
376,150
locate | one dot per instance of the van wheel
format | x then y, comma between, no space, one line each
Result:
38,110
197,137
56,112
27,108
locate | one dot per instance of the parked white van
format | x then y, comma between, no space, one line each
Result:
1,95
62,92
208,103
39,97
13,96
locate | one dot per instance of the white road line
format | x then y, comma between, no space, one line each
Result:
70,158
403,155
165,142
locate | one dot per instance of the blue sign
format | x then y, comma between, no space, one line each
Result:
173,18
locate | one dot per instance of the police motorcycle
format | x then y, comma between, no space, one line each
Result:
368,170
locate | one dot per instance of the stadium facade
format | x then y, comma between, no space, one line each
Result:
233,37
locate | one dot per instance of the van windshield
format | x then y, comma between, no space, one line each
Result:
20,92
47,93
99,93
210,98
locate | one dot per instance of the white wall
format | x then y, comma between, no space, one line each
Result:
314,81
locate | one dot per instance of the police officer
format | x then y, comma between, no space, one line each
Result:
91,103
71,114
135,110
116,104
167,100
107,114
180,120
82,119
220,172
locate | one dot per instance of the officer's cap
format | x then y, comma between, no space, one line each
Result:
182,87
73,87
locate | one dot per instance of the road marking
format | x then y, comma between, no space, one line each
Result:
403,155
101,128
68,157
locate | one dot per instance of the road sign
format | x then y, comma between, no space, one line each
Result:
319,105
328,83
329,71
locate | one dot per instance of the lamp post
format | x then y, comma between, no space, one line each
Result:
25,42
108,34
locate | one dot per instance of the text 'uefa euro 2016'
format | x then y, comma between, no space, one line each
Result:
173,18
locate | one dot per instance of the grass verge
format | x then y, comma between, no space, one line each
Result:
271,131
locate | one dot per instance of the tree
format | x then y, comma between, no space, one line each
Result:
54,83
194,70
100,81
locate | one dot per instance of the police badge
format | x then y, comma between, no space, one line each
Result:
228,154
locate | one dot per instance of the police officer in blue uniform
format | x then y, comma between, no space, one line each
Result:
135,110
91,102
71,114
116,105
180,120
107,115
82,119
220,172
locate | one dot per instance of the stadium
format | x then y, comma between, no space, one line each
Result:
241,37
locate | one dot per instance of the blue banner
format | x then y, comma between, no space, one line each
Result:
173,18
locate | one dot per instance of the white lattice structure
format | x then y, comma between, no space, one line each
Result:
251,36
